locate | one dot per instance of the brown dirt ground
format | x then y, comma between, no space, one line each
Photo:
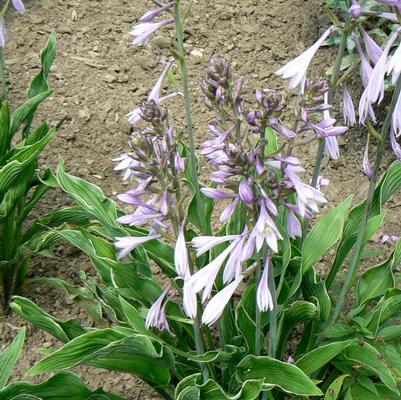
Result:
99,77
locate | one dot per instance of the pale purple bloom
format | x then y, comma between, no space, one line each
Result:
355,10
264,298
216,305
179,163
189,301
297,68
128,243
396,117
202,244
181,259
394,144
373,50
366,69
229,210
157,313
321,182
2,32
348,108
134,117
125,162
367,167
205,277
307,196
396,3
374,91
294,228
216,193
245,192
143,31
391,16
232,268
266,230
331,147
386,238
151,14
394,65
19,6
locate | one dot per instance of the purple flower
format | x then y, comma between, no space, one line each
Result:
203,244
396,117
216,305
134,117
396,147
373,50
157,313
266,230
181,259
264,298
143,31
150,15
2,32
386,238
331,147
216,194
297,68
394,65
367,167
189,301
19,6
307,196
366,69
374,91
355,10
128,243
245,192
348,108
396,3
294,228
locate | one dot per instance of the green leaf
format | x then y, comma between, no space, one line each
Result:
367,356
298,312
5,137
319,357
24,112
88,196
9,357
192,388
62,386
334,389
271,141
324,234
287,377
63,330
134,318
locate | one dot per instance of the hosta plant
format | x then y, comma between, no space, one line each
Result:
22,184
232,302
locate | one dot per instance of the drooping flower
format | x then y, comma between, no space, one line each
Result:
265,230
216,305
374,91
367,167
296,69
264,298
203,244
394,144
294,227
189,301
134,117
366,69
396,117
389,238
143,31
157,313
373,50
151,14
394,65
2,32
348,108
19,6
355,10
181,259
128,243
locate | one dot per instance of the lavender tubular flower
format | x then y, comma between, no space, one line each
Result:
264,298
150,15
348,108
216,305
373,50
355,10
396,118
294,228
296,69
394,65
129,243
2,32
143,31
367,167
157,313
366,69
181,259
395,146
19,6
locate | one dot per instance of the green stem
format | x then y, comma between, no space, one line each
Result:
356,255
3,76
188,114
332,94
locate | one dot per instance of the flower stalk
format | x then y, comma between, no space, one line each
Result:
356,255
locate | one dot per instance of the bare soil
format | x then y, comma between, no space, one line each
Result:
99,77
